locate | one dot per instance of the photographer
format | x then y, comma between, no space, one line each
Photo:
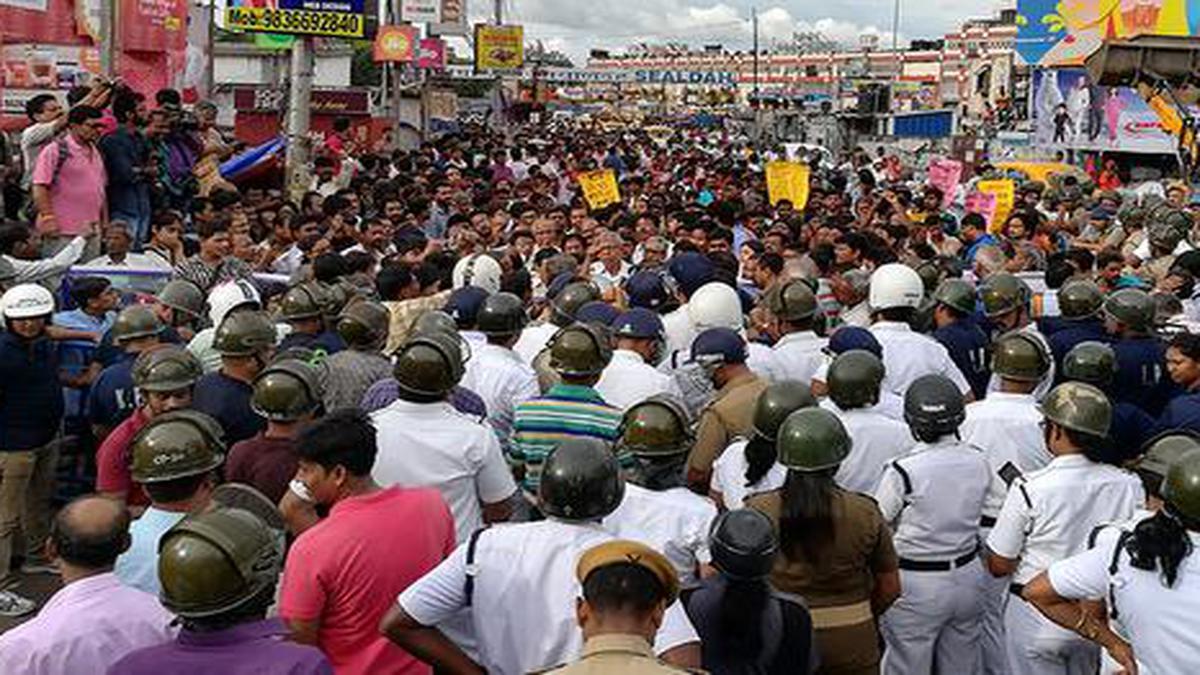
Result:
127,160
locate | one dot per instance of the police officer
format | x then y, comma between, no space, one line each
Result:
955,327
1095,363
218,572
797,354
363,327
495,371
1148,577
935,624
181,306
835,548
517,583
690,272
226,299
304,308
246,342
563,308
896,293
463,306
1005,300
721,352
750,465
657,509
111,398
1080,303
174,459
1048,515
855,378
1141,357
638,341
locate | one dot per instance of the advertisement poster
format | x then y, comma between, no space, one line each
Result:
331,18
1056,33
499,48
945,174
29,70
34,5
395,44
788,180
431,54
914,96
421,11
153,25
600,188
1070,112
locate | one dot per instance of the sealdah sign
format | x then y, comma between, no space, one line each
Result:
684,77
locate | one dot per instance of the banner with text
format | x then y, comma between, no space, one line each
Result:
499,48
330,18
600,188
788,180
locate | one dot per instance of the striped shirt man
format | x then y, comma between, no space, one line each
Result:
566,411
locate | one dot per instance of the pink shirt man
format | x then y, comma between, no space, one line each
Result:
78,194
84,628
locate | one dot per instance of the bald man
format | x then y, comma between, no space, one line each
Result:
93,620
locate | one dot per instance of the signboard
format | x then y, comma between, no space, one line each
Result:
431,54
29,70
331,18
1004,197
1054,33
322,101
788,180
153,25
454,19
945,174
421,11
600,188
499,48
396,44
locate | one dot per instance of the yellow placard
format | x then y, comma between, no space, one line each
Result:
1005,192
600,188
499,47
296,21
788,180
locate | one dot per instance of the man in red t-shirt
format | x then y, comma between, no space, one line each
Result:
164,377
346,571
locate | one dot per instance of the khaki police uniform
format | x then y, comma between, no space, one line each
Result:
729,415
618,654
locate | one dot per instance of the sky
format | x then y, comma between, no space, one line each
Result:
576,26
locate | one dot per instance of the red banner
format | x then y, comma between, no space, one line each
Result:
153,25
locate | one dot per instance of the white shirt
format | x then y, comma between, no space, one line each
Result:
137,261
628,379
1159,621
1043,387
45,270
1048,514
502,380
533,340
729,477
1007,427
876,440
797,356
522,606
679,330
858,315
673,522
935,518
602,276
907,355
289,262
433,445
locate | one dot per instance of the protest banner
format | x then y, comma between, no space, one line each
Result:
600,188
945,174
1005,192
788,180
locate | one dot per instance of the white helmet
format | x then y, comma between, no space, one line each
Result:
479,269
26,301
895,285
229,296
715,305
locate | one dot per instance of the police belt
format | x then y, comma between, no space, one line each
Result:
987,521
938,565
1016,589
841,616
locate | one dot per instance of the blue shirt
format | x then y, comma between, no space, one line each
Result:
1183,412
1141,374
1131,428
31,401
112,397
327,342
77,355
967,344
1071,334
138,566
228,401
984,240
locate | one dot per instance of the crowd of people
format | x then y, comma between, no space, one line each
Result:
439,415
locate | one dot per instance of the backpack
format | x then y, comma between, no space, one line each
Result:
64,153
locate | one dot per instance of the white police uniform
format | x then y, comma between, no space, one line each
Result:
433,445
693,382
1007,427
1047,516
503,381
674,522
797,356
935,624
533,340
1047,383
876,440
678,328
907,355
729,477
628,379
517,583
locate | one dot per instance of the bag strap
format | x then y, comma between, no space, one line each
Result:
472,568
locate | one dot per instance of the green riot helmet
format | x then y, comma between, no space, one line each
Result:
302,302
166,368
854,379
364,324
134,322
775,403
580,350
176,445
933,407
337,297
245,333
811,440
1003,293
1181,488
1020,356
1093,363
1079,407
433,321
1131,307
580,481
931,274
1131,216
215,562
1168,227
1080,300
286,391
956,294
428,367
184,297
656,427
570,299
1159,453
502,315
792,301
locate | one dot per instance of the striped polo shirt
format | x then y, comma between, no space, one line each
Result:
566,411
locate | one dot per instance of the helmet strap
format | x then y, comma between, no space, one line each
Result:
661,473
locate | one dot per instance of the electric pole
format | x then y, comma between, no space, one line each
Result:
298,117
895,25
757,105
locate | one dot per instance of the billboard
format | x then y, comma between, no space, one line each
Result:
421,11
330,18
499,48
395,43
1054,33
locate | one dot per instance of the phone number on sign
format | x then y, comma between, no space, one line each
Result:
295,21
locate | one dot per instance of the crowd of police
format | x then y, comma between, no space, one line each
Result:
484,428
